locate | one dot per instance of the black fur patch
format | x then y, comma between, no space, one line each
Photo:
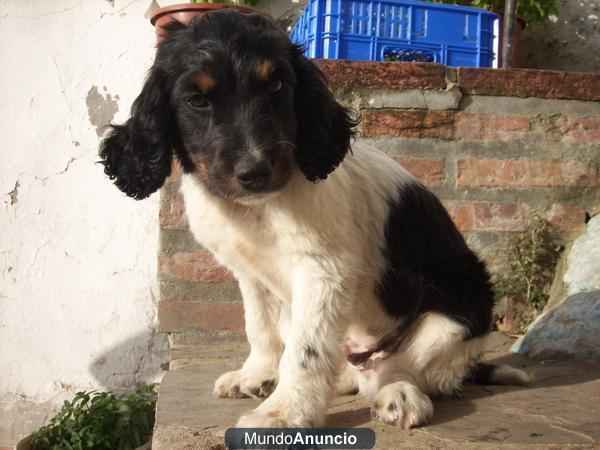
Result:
138,154
265,389
481,373
309,354
429,266
325,128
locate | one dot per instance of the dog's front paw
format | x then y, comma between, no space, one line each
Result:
280,411
402,404
246,383
228,385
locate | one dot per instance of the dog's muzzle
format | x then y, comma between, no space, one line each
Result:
254,175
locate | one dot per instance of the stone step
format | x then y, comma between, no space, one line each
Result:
558,409
193,348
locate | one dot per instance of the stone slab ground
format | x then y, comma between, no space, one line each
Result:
560,410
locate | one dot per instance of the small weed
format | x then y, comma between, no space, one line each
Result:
532,257
100,420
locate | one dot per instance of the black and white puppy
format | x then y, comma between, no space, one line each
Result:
357,283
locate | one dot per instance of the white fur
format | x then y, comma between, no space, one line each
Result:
504,374
307,260
402,404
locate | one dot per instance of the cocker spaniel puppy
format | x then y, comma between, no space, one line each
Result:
354,277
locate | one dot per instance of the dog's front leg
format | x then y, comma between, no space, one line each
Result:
258,375
312,355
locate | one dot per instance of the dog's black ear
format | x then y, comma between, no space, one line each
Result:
324,126
138,154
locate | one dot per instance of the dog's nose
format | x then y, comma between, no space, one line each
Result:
255,175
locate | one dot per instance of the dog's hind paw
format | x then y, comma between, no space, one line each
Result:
402,404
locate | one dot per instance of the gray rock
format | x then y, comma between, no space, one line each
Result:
583,271
571,329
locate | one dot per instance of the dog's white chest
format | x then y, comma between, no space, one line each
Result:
244,239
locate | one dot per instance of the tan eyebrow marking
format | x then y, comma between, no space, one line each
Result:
263,70
204,81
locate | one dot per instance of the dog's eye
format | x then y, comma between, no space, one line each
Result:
198,101
275,86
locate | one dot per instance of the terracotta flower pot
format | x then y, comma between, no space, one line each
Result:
185,12
24,444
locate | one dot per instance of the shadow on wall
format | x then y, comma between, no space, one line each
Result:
141,359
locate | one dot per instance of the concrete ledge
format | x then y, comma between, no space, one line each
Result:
471,80
530,83
341,73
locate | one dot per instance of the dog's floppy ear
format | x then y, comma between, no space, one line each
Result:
324,126
138,154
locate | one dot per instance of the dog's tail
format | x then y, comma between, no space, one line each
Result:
483,373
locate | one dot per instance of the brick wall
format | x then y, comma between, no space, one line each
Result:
494,145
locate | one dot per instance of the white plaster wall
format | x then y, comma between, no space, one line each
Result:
77,257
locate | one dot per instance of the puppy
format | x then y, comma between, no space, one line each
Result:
354,277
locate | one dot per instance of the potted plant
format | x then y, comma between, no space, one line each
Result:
528,12
185,12
99,420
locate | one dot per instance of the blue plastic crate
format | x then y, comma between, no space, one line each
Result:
397,30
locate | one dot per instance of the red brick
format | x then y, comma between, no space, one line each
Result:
204,316
484,216
581,130
194,266
566,217
500,216
173,214
407,123
529,83
525,173
462,215
344,73
429,171
473,126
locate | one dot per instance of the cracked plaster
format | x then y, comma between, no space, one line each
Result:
77,257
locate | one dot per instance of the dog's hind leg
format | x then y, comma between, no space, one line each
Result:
347,383
432,360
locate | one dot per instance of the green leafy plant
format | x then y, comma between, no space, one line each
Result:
531,10
234,2
532,257
100,420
